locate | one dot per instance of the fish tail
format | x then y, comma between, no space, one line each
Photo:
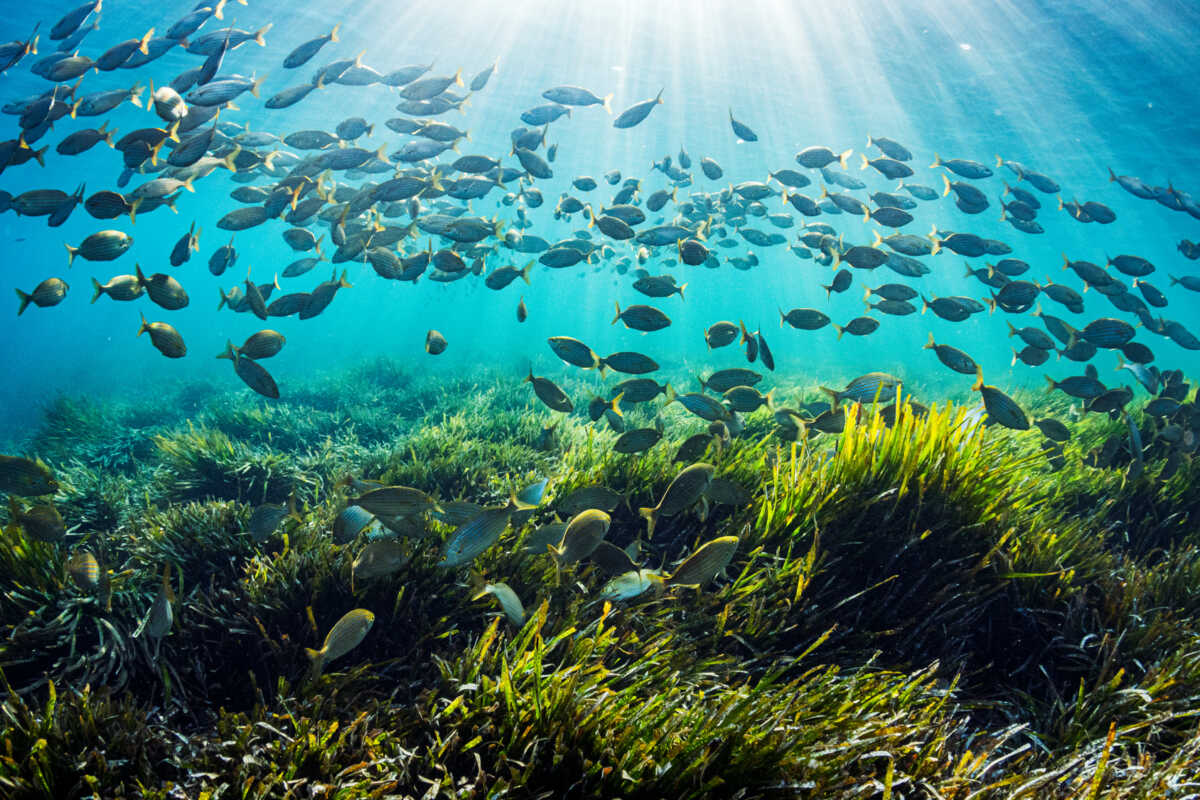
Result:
682,286
834,395
146,37
1051,384
1016,357
333,37
670,394
937,161
260,33
229,351
1112,176
651,516
71,251
97,290
145,326
840,330
25,299
615,404
618,316
525,272
317,657
978,386
930,345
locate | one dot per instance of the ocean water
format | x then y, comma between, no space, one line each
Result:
1067,88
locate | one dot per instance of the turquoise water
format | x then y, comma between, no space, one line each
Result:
1069,89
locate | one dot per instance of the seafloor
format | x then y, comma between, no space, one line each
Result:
927,610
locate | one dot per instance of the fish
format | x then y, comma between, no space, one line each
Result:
637,112
159,617
41,522
967,168
871,387
720,334
630,585
630,363
106,245
509,602
952,357
723,380
345,635
26,477
435,343
263,344
599,497
301,54
84,569
256,377
582,536
702,566
164,337
549,393
381,558
741,130
641,318
1000,408
577,96
817,157
472,538
393,501
265,519
49,292
684,491
575,352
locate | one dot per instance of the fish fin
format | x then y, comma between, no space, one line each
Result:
651,516
145,325
618,315
333,37
71,251
25,300
978,379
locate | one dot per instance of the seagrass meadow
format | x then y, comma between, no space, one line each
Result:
547,400
918,607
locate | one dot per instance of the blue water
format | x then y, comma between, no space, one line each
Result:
1068,88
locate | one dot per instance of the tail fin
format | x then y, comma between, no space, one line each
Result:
25,300
651,516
